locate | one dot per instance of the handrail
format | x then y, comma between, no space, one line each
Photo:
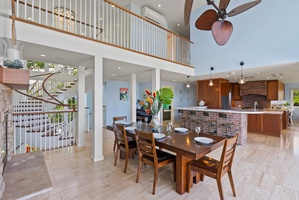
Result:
41,75
61,15
48,112
47,91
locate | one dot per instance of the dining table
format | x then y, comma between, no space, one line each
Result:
182,142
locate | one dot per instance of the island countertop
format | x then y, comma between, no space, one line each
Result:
240,111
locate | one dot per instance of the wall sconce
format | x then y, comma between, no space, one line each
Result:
242,80
188,83
211,80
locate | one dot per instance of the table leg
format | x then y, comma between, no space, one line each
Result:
181,173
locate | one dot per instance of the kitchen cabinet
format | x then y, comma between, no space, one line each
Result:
275,90
268,124
214,96
236,91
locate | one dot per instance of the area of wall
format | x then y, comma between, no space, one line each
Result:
5,106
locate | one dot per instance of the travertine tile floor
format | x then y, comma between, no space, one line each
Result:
264,168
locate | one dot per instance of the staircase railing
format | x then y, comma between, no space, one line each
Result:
42,122
108,23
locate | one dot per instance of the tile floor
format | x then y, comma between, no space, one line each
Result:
264,168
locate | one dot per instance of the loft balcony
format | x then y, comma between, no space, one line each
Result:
107,23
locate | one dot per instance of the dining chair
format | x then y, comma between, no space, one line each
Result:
122,144
214,168
148,154
116,119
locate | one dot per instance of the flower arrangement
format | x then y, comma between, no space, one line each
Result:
155,100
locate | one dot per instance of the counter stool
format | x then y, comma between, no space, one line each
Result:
212,127
229,128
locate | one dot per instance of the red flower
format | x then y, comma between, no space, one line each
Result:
147,92
154,94
148,111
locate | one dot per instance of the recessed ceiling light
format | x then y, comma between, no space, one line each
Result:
101,18
82,33
163,75
43,55
113,74
257,72
159,5
233,72
112,6
227,75
173,80
178,25
29,18
236,78
119,68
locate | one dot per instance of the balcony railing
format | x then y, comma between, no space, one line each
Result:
107,23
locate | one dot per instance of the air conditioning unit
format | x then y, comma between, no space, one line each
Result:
153,16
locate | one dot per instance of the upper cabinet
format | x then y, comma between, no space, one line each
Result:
236,91
275,90
214,96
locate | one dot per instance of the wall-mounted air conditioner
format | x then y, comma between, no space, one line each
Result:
153,16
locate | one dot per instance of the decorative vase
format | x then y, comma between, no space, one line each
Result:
155,123
12,54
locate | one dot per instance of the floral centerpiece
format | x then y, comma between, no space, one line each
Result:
153,102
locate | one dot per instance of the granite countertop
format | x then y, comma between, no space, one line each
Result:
242,111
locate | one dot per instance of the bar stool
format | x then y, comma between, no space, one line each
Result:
212,127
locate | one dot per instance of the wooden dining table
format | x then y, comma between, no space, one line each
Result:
183,145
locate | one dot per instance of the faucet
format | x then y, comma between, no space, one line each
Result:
254,105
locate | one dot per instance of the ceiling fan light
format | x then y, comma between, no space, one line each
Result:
242,80
188,83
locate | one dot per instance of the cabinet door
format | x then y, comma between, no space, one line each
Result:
272,90
254,123
236,91
272,124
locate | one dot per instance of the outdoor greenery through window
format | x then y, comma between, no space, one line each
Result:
295,97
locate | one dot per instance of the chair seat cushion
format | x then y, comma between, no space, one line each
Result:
205,162
161,156
132,144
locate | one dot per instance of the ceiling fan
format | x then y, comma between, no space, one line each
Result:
214,20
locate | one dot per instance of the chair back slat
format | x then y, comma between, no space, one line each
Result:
146,145
121,135
119,118
227,154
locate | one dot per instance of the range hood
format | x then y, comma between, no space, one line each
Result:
254,87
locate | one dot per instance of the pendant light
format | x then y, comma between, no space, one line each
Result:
242,79
211,80
188,83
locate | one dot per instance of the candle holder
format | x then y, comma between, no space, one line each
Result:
12,54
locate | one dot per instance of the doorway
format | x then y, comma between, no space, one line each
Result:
168,110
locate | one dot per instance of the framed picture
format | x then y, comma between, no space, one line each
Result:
123,94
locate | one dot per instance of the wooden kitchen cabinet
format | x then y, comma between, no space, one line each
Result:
275,90
254,123
236,91
213,96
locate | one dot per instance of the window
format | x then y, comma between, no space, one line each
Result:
64,19
295,97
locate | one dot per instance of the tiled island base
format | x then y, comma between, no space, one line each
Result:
219,123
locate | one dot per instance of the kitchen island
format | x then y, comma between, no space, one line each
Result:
225,122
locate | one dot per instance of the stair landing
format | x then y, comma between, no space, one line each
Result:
26,175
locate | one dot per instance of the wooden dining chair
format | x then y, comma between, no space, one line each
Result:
148,154
115,119
214,168
122,144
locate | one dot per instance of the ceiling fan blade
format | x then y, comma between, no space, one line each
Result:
187,11
206,20
223,4
243,8
222,30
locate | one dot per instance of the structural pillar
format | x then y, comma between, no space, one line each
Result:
97,142
133,97
156,83
81,106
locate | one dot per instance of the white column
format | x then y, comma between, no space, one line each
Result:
156,83
97,143
81,106
133,97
